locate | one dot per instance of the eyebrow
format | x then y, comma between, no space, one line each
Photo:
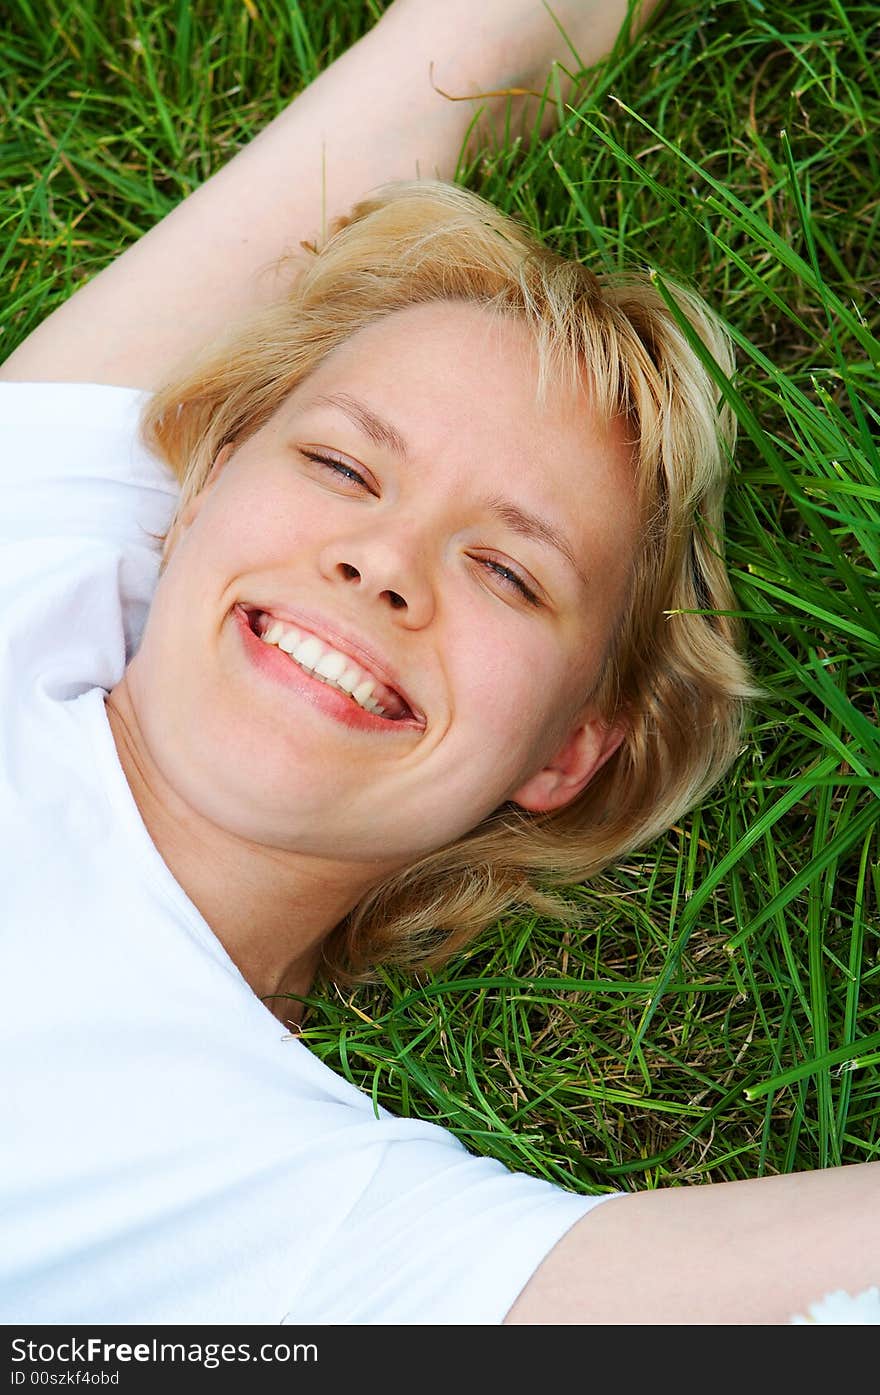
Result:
520,520
530,525
380,432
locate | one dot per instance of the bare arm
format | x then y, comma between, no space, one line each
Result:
372,116
733,1252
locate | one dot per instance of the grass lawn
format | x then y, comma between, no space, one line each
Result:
718,1016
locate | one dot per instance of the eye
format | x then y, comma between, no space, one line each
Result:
338,467
511,580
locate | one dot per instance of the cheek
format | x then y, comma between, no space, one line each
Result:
241,527
514,689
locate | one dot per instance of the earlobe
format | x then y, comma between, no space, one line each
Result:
584,753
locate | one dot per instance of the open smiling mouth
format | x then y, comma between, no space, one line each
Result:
330,667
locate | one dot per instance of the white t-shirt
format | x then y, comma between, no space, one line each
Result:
168,1153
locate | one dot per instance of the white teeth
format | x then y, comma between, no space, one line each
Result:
331,665
349,680
307,652
287,640
363,690
325,663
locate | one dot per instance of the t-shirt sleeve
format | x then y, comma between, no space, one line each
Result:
71,465
439,1236
83,505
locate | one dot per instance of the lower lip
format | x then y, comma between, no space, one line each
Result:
276,665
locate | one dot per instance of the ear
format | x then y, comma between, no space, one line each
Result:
183,520
572,768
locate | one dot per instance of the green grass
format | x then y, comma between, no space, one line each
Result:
720,1018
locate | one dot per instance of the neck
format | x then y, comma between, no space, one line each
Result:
270,908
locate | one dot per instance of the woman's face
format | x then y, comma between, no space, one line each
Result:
413,566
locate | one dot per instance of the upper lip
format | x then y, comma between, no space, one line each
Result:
343,639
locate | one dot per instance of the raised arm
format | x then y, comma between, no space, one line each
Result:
372,116
731,1252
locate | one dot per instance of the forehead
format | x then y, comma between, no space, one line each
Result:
462,340
454,378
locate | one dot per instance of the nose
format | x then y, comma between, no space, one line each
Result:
387,564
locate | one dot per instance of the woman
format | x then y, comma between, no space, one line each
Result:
196,822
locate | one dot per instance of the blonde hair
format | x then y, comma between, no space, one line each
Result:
678,679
